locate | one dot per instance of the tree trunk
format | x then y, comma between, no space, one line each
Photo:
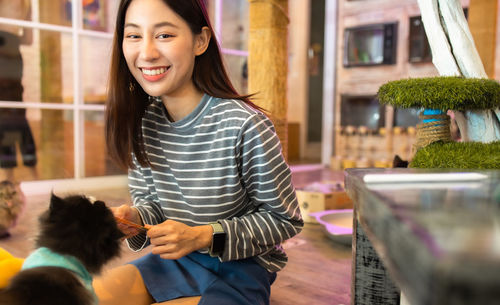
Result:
454,53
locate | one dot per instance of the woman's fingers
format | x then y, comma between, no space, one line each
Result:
170,251
173,240
128,213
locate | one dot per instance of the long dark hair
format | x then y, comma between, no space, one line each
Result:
127,101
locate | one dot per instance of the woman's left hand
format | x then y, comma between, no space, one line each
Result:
173,240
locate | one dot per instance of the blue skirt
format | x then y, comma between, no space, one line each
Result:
238,282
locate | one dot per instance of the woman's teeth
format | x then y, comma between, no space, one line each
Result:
153,72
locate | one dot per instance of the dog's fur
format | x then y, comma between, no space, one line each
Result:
11,206
71,226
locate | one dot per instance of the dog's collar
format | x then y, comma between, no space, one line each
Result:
43,257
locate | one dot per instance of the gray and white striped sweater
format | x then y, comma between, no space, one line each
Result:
222,163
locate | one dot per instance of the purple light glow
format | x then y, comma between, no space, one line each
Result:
330,227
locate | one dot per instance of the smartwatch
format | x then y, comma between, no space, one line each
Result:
218,240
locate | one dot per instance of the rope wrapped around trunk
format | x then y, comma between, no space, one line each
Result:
431,132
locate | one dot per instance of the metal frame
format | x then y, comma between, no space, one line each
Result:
329,80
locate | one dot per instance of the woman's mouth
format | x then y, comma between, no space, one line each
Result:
154,74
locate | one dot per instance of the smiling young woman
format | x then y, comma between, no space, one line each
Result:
206,173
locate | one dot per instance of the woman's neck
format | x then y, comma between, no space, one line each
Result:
178,107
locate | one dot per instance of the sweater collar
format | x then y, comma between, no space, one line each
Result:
191,119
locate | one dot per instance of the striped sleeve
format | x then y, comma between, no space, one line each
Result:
145,200
275,214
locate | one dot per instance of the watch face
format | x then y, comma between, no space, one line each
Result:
218,241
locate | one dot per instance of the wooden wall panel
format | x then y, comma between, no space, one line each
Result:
366,80
482,23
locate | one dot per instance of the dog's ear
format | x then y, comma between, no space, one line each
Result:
56,203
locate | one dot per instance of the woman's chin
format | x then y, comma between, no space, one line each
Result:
153,91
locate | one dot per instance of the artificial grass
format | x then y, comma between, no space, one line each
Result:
458,155
442,92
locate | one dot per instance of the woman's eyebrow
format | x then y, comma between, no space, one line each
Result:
158,25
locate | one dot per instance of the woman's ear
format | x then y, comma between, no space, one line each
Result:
202,40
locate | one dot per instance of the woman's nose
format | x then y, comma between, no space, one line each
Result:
149,51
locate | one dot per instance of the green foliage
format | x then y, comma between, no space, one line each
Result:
443,92
458,155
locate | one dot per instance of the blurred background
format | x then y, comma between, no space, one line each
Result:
54,59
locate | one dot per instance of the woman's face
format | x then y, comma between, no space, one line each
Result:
160,48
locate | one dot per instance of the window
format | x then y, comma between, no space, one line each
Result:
362,111
406,117
230,22
370,45
419,49
56,55
55,59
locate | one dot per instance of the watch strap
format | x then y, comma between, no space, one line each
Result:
217,227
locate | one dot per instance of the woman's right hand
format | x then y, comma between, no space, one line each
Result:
128,213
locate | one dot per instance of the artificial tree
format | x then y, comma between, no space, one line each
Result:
454,54
436,95
462,88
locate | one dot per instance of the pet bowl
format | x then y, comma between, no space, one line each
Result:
337,224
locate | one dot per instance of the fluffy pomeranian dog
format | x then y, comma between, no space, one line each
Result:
77,238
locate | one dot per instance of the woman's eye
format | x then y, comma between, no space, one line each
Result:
132,36
164,36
